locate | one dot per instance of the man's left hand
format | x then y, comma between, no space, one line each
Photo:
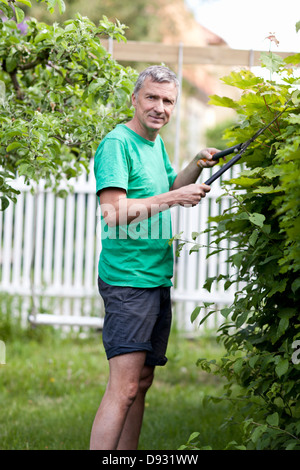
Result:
204,158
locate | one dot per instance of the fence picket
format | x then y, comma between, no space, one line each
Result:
17,240
39,232
69,241
90,268
49,232
59,235
28,241
7,246
79,242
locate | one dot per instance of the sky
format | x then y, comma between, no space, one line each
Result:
244,24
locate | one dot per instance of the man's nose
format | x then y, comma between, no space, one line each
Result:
159,106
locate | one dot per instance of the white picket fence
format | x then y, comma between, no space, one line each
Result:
50,249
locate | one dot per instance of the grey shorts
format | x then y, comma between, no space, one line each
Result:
136,319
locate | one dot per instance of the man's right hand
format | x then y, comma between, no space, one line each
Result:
191,194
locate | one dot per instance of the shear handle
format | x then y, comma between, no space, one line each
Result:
225,152
223,169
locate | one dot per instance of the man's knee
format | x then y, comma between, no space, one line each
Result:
129,377
132,389
130,392
146,379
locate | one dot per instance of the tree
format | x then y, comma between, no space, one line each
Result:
60,93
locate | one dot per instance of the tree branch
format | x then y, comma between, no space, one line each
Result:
13,77
20,94
31,65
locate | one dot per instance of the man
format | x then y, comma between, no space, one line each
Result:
137,186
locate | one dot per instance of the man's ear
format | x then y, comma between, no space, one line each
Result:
133,100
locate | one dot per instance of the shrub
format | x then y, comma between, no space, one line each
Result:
261,332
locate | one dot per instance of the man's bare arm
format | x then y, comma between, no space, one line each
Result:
192,171
117,209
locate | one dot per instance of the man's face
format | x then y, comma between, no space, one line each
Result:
154,106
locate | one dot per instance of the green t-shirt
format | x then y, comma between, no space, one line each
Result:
137,254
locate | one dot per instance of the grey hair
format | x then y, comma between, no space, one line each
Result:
158,74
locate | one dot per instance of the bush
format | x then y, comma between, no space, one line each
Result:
261,330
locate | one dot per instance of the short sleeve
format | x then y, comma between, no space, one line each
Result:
111,166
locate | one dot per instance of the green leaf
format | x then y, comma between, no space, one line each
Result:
257,433
61,6
294,119
25,2
273,419
293,59
120,97
297,26
207,315
296,95
193,436
11,63
7,10
238,365
51,5
208,283
4,203
278,286
226,311
271,61
295,286
243,79
253,360
237,259
267,190
41,36
257,219
195,248
241,319
20,15
195,235
14,145
272,172
195,313
282,327
253,237
222,101
96,85
282,367
246,182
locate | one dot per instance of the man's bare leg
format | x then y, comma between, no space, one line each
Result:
121,392
132,427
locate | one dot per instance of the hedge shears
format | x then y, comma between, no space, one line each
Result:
240,148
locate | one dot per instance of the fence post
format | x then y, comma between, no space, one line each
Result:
178,106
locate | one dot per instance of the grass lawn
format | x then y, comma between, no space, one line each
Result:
50,389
